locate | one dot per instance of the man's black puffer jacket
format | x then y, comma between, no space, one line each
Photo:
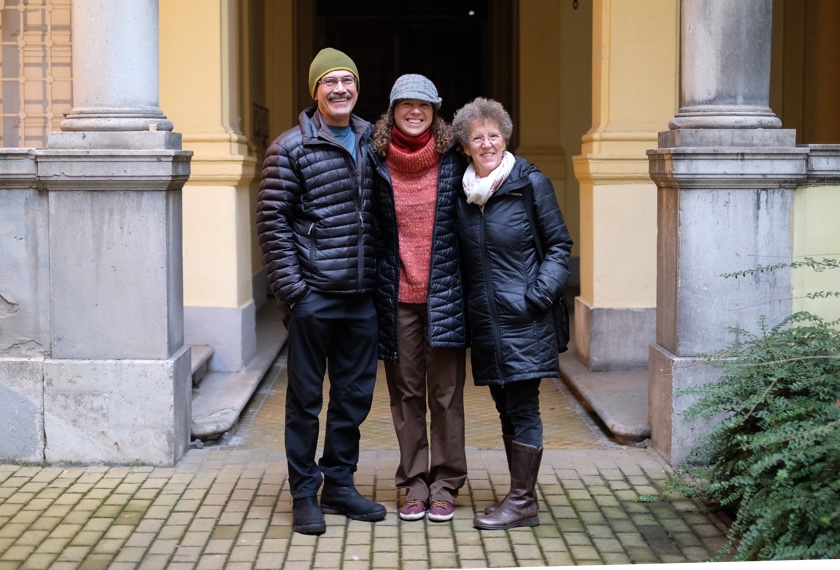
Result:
315,212
510,292
445,302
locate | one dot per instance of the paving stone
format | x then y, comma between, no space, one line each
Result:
230,507
40,561
131,554
273,561
17,553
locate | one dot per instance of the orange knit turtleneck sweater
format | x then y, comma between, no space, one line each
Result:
414,177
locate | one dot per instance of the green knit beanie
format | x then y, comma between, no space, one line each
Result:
327,60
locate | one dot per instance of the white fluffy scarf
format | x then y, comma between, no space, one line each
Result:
479,190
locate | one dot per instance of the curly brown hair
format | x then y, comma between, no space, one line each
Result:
382,133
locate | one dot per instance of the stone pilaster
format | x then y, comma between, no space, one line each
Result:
725,177
24,307
635,51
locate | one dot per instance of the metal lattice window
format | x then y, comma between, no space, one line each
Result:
36,77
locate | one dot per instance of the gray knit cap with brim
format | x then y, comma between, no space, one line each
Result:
414,86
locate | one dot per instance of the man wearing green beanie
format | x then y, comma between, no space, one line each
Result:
316,231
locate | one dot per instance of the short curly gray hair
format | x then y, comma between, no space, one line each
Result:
480,110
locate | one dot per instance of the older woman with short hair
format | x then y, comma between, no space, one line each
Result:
512,284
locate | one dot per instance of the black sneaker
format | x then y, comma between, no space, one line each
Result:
307,517
346,500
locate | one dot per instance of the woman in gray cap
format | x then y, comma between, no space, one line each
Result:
419,296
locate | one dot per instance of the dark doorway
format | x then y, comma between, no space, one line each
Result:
466,47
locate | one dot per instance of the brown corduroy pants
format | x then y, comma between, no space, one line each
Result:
432,467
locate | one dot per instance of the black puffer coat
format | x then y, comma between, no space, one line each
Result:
315,216
445,303
510,293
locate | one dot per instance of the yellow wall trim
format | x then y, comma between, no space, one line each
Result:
604,169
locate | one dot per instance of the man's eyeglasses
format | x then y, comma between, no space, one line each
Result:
332,82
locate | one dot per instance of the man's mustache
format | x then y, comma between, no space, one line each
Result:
334,96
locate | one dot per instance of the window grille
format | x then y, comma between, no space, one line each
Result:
36,78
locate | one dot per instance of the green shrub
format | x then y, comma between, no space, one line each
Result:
773,461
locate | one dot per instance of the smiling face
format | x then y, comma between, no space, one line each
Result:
485,146
336,96
413,117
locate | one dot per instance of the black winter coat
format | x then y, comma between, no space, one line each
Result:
445,303
315,216
510,292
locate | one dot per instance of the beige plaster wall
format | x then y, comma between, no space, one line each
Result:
816,234
201,84
275,62
555,70
635,92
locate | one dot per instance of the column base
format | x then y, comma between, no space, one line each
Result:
117,140
613,339
232,332
118,412
22,410
672,436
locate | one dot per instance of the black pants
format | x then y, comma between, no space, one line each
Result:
338,334
518,404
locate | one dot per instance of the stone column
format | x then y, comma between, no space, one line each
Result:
117,386
725,176
725,65
115,54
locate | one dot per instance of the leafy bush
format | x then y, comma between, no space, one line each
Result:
774,460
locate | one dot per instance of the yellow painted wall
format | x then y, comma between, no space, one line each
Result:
555,70
275,57
200,91
635,92
540,84
816,234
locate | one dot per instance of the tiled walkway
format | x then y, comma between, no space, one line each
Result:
228,505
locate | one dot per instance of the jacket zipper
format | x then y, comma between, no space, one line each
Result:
491,294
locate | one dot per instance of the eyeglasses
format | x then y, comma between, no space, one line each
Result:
491,139
331,82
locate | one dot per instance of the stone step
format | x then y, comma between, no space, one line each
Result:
618,397
201,355
221,397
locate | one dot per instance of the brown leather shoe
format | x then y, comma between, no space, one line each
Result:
519,507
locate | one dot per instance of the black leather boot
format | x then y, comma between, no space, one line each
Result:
508,441
519,507
307,517
346,500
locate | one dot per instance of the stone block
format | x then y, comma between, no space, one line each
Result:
24,270
22,409
117,286
823,164
613,338
672,436
704,235
723,138
145,140
118,411
231,332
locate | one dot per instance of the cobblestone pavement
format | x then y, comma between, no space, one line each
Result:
228,505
